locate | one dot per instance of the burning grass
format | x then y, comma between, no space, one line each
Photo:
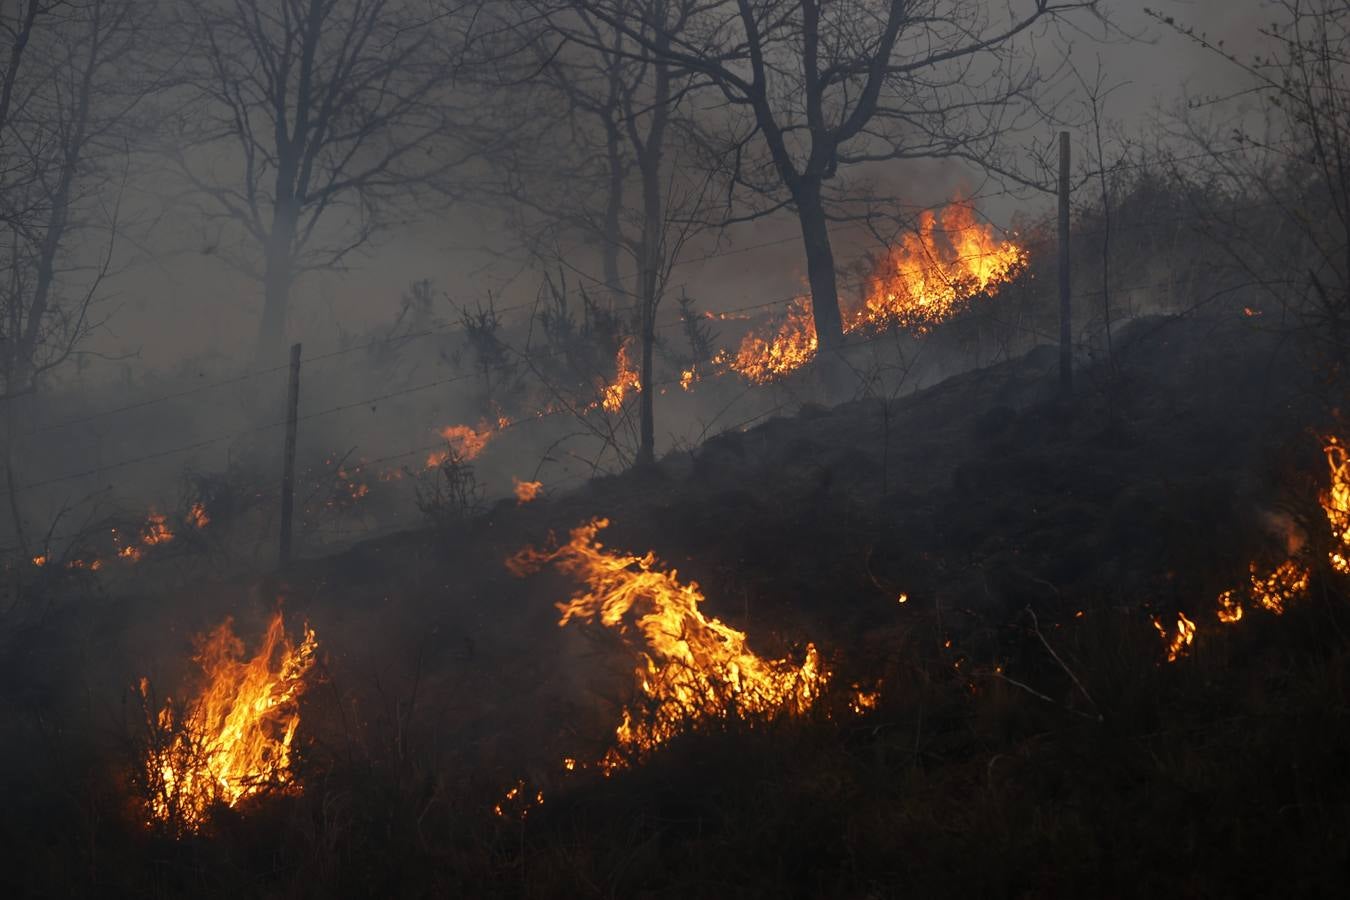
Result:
692,669
932,275
233,740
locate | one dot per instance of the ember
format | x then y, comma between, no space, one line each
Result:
234,740
691,669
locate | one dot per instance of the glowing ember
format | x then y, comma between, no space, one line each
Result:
197,516
626,380
692,669
688,377
40,559
234,740
527,491
1178,643
518,801
1336,503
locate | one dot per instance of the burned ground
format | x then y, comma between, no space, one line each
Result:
1028,739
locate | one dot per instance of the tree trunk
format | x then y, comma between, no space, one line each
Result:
278,274
650,285
819,264
613,209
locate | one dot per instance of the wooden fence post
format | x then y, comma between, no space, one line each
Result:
288,463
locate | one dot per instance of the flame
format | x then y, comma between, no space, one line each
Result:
197,516
1230,609
40,560
1336,503
518,801
464,441
1288,582
349,489
625,379
1291,578
1178,644
863,701
793,344
935,272
688,377
154,532
930,276
691,668
527,491
234,740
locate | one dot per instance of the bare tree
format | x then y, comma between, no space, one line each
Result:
1291,164
628,132
67,101
305,123
809,87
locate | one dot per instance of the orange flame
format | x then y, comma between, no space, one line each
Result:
40,560
929,277
1336,503
1230,609
792,345
1179,643
197,516
464,441
1291,578
234,740
625,380
935,272
1288,582
527,491
155,531
691,669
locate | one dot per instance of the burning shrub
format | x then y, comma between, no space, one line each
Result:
234,740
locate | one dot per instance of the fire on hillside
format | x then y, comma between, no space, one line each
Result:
927,278
233,740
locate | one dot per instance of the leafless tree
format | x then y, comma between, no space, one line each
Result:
621,146
1273,188
809,87
305,124
68,106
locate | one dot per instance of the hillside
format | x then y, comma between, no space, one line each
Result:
1010,728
